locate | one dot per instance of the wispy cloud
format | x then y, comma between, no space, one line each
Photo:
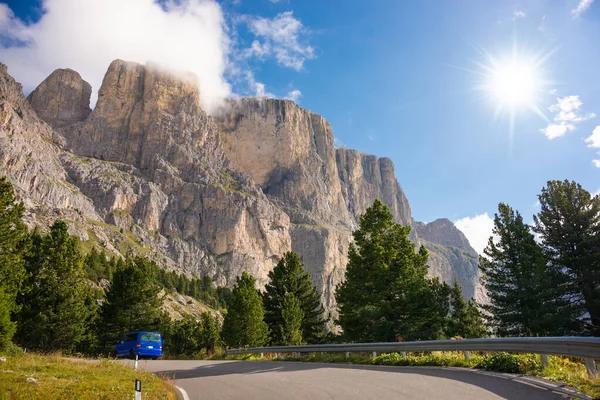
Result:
477,229
581,8
282,37
596,163
594,139
567,116
518,15
294,95
187,35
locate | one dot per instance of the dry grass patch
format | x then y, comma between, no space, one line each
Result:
31,376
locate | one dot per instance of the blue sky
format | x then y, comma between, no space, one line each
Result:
396,79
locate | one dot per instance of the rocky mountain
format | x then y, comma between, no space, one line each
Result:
148,171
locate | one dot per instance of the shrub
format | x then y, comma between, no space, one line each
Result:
501,362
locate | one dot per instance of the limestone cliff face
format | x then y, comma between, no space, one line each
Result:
366,178
288,151
143,173
149,172
62,98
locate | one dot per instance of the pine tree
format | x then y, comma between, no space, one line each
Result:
465,319
13,242
569,227
132,302
244,324
386,293
289,277
58,308
292,316
526,292
210,332
185,338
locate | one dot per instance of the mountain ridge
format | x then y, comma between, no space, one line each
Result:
150,172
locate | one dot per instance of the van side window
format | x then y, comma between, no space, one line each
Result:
132,337
150,337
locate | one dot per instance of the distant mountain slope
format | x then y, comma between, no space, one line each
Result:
148,171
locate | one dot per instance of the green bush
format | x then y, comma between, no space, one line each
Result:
501,362
13,350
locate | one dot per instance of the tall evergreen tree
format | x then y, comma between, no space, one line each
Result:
526,292
58,308
569,227
210,332
132,302
386,293
291,315
244,324
465,319
13,241
289,277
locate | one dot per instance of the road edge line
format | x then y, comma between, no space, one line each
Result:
183,393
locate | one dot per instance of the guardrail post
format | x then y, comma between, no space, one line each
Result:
374,355
347,354
403,354
278,355
261,355
138,390
467,355
590,365
545,362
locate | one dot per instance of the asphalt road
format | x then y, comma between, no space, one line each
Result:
266,380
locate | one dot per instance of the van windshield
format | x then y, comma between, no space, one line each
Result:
150,337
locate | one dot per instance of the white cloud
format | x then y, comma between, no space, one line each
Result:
294,95
553,131
596,163
581,8
477,229
594,139
567,116
597,193
280,37
186,35
537,204
518,15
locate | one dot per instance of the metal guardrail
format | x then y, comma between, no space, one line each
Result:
587,348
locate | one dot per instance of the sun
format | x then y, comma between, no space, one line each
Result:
514,83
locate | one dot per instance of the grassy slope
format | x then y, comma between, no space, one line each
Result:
561,369
60,378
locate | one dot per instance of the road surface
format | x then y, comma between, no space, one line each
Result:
276,380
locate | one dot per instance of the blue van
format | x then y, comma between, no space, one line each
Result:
142,344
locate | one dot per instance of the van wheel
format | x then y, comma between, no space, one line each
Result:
131,354
113,354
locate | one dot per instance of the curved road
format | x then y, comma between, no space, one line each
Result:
266,380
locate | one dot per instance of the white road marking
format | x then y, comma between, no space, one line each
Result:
183,393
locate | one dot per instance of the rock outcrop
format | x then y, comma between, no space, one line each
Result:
63,98
149,172
365,178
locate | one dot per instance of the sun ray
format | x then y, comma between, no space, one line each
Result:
515,82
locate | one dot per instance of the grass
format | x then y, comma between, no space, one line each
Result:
561,369
62,378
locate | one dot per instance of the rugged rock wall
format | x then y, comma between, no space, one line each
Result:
365,178
289,153
143,173
62,99
148,171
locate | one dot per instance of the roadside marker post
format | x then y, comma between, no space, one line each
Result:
136,362
138,390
